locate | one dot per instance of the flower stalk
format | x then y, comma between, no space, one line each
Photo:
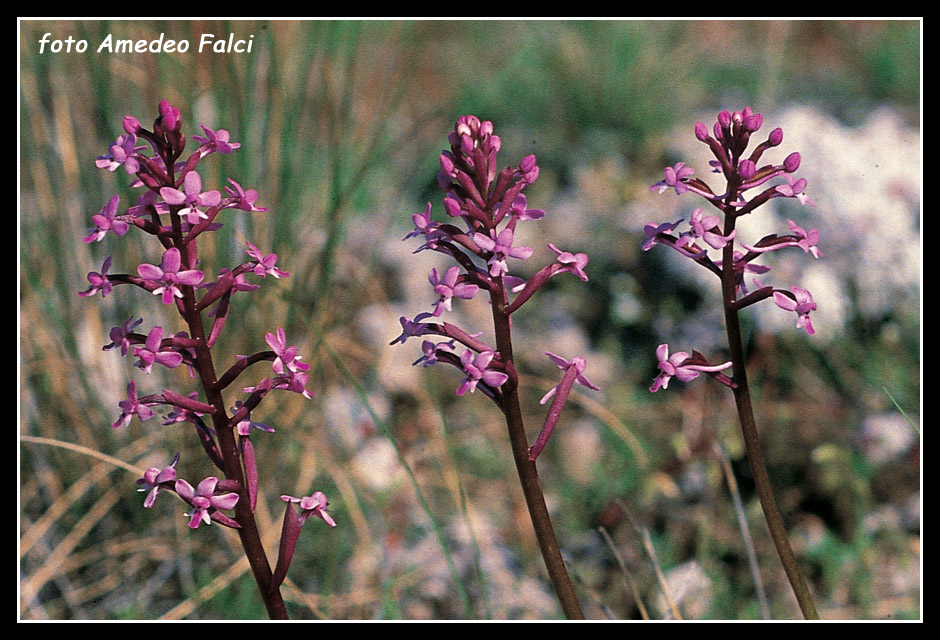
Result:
486,205
176,210
728,142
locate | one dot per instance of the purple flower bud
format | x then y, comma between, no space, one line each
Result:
447,164
719,134
747,169
452,207
775,137
131,124
527,163
467,126
753,122
495,142
148,180
701,131
169,116
792,162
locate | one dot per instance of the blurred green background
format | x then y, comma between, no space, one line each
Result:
341,125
